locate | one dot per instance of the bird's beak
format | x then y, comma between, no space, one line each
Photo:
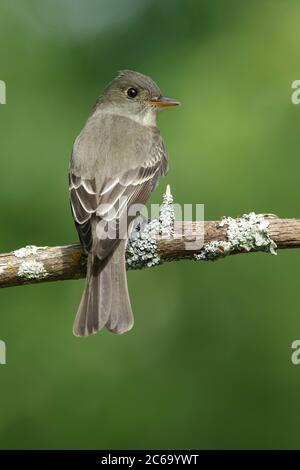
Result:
162,102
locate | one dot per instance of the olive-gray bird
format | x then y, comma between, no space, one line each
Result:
118,156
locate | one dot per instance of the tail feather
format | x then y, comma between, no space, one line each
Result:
120,319
105,300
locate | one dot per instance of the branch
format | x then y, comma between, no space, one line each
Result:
157,241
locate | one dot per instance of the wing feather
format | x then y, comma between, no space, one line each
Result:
93,209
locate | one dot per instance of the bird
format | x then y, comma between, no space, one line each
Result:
116,162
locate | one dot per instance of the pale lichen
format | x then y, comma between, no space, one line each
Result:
32,270
213,250
141,249
249,232
28,250
167,215
2,269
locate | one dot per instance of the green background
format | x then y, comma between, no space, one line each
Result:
207,364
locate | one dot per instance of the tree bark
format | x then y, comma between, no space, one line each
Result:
45,264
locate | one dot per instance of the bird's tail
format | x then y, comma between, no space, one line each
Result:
105,300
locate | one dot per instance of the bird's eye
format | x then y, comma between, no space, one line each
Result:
132,92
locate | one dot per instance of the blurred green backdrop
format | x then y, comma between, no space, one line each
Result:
208,362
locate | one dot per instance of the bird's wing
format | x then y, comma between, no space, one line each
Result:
93,208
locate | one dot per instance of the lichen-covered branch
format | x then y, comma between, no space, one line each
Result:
156,241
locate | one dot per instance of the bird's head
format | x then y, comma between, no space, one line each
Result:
136,95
